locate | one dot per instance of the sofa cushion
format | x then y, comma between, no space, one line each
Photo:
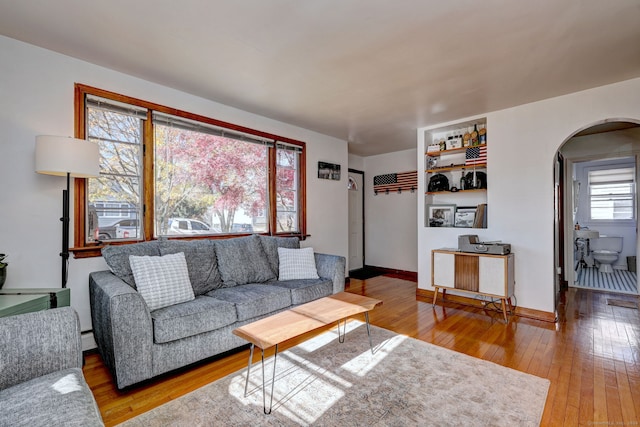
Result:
306,290
297,264
162,280
203,314
270,244
201,262
242,260
61,398
254,300
117,258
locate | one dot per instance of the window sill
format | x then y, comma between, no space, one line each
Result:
96,250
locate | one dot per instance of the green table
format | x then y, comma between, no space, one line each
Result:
18,301
19,304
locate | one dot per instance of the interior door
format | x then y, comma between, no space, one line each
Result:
356,219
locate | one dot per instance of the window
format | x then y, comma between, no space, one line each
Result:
116,194
208,173
287,185
612,194
172,173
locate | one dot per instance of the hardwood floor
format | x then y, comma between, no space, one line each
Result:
591,356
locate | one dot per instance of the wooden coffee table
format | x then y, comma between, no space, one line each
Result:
274,330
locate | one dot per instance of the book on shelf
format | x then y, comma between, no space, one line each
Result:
480,221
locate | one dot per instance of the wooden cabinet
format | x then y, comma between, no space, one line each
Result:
480,274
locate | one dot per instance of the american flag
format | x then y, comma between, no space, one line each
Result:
396,181
476,155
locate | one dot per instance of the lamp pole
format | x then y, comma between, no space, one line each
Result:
63,156
65,232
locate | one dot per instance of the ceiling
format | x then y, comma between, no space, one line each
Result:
366,71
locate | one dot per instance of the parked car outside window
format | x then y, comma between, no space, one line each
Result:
182,226
242,228
111,231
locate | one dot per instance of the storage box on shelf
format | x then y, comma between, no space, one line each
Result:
456,175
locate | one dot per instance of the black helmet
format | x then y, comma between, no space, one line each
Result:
438,182
480,180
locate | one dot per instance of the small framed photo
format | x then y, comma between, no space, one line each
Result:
328,171
454,143
440,215
465,217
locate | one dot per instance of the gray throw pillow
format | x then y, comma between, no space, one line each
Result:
270,244
117,258
201,262
242,260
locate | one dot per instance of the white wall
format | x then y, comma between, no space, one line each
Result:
522,143
356,162
390,219
36,91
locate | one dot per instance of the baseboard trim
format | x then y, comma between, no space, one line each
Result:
411,276
88,341
472,302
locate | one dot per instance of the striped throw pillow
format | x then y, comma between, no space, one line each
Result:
162,280
297,264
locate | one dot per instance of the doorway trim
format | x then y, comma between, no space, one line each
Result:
364,237
565,229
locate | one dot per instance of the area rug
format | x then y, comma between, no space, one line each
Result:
620,281
406,382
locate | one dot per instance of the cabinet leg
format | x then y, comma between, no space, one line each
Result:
510,305
435,297
504,309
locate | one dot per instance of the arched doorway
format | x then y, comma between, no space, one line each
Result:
606,146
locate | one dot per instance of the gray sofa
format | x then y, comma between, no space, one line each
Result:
235,281
41,380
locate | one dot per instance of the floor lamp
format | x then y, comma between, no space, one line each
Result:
70,157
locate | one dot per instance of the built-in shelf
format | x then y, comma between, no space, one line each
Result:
453,168
457,167
433,193
452,150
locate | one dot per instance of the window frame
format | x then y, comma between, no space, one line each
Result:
632,193
82,249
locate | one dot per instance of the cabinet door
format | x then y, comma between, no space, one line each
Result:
492,276
444,270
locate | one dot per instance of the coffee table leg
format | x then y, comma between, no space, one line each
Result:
246,384
273,382
342,334
366,317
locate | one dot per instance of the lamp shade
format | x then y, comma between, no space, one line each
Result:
61,155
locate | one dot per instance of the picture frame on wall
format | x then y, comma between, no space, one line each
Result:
465,217
440,215
329,171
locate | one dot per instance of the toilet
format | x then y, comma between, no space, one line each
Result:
605,251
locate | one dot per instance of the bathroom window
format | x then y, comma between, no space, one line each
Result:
612,194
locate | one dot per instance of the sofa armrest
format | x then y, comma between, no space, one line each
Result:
39,343
122,328
332,267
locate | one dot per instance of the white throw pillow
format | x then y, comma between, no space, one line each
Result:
297,264
162,280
